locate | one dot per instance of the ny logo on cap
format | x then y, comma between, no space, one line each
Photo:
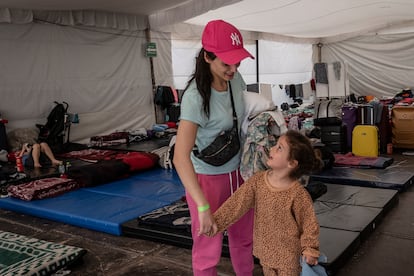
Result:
235,39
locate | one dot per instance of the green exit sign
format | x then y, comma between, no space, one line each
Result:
151,50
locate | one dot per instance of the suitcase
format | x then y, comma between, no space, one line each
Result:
349,118
403,127
334,137
173,113
328,112
365,141
384,128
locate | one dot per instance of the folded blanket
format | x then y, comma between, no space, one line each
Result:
110,139
91,154
351,160
173,216
99,173
42,188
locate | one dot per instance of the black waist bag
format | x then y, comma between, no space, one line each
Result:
222,149
225,146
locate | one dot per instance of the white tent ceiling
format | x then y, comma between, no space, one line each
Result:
44,61
335,19
314,18
139,7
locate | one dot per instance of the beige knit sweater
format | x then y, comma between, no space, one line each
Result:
285,224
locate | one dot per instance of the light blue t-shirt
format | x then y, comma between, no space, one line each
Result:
221,118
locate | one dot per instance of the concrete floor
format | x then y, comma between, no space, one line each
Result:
108,255
388,251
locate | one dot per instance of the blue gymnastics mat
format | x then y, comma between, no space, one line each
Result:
105,207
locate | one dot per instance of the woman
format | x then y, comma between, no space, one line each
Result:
206,111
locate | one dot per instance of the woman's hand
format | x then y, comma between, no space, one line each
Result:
206,223
209,231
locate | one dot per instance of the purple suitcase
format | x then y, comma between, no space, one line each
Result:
349,118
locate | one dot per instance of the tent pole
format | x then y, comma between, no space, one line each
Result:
257,61
148,37
319,52
158,113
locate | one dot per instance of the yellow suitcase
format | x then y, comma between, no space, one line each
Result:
365,141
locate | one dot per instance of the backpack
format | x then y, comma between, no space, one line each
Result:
166,154
164,96
53,132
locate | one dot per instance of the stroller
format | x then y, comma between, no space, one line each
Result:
54,131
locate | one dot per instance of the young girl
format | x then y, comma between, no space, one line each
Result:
36,154
285,224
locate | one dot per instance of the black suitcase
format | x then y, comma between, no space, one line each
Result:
366,115
335,137
328,112
384,128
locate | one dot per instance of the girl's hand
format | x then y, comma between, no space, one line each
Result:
214,230
310,260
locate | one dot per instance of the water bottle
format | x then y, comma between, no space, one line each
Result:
19,164
389,148
62,170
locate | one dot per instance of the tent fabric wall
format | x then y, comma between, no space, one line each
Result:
89,18
183,11
163,61
184,53
285,63
102,74
379,65
279,62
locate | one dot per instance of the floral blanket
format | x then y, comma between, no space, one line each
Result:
42,188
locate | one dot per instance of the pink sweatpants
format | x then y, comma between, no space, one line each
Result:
207,250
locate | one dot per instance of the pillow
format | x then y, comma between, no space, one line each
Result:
254,103
17,137
139,161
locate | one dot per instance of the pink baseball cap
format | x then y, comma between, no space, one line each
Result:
225,41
